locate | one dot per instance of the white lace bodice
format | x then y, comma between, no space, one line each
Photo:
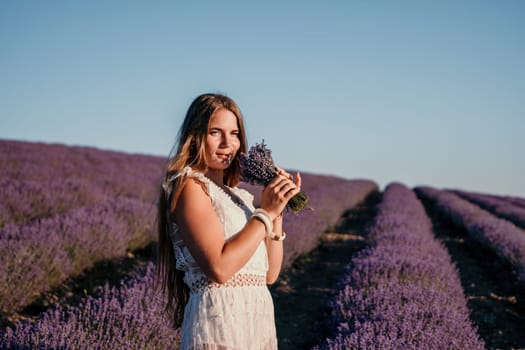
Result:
238,314
232,215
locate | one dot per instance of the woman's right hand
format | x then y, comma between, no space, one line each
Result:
278,192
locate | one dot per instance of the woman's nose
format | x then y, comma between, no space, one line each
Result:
227,140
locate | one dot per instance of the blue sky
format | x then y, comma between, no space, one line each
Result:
418,92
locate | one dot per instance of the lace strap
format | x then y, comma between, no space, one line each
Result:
187,171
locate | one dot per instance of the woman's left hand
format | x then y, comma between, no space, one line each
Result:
297,181
281,171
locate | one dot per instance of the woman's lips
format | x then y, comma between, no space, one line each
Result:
225,156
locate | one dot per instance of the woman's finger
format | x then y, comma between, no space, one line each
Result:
283,172
288,186
298,180
291,193
275,181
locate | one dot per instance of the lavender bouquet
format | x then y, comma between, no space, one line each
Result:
258,168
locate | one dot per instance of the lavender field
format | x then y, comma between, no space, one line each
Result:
426,269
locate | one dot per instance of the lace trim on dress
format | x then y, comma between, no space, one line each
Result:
187,172
271,344
182,262
240,280
237,196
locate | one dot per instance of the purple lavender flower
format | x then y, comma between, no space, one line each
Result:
258,168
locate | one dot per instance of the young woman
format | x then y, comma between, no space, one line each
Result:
217,253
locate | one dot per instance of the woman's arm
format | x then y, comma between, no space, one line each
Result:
203,234
275,247
275,252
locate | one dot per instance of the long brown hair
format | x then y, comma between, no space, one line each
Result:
190,151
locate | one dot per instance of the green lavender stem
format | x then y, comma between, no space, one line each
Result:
298,202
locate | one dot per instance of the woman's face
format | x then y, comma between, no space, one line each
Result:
222,140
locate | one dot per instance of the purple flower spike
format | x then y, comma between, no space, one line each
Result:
258,168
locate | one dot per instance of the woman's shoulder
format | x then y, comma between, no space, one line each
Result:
188,172
193,179
192,187
197,179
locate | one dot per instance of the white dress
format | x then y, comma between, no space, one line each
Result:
238,314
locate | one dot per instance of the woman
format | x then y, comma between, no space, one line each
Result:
217,253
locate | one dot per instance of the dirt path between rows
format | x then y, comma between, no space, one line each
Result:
496,301
303,290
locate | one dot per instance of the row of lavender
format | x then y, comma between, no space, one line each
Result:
65,208
27,200
329,197
130,317
519,201
39,255
403,291
127,317
41,180
498,206
118,172
499,235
